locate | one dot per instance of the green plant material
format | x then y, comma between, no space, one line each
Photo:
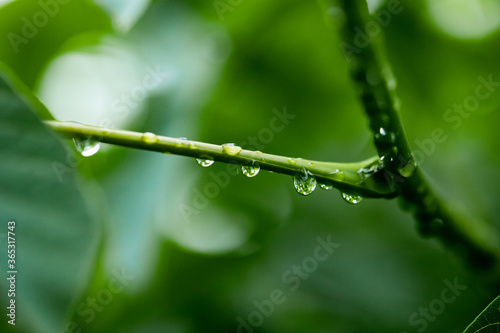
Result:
34,32
372,75
363,178
488,320
55,236
25,93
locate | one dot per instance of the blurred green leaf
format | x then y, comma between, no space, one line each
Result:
35,30
56,237
488,321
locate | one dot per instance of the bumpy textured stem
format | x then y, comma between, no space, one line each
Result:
473,239
363,178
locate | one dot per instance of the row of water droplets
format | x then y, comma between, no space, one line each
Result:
88,146
304,183
231,149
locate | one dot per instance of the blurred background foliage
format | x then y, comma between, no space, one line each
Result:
214,71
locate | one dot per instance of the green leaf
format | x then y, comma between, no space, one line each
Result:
34,32
488,320
55,237
25,93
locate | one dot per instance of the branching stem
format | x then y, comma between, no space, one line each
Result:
393,172
472,238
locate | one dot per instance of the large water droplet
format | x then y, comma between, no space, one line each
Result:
205,162
231,149
292,161
304,183
250,170
87,147
149,138
351,198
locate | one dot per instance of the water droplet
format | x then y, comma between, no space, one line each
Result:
437,224
205,162
408,169
292,161
429,201
304,183
87,147
231,149
180,143
250,170
421,189
382,119
351,198
338,175
373,76
381,97
386,160
325,186
389,77
369,171
149,138
385,136
397,103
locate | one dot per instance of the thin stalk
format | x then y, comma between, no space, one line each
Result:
363,178
473,239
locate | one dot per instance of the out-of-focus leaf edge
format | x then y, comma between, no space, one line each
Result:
25,92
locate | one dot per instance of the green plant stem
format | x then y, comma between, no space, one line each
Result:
363,178
473,239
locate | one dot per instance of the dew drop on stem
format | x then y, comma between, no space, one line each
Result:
87,146
149,138
250,170
181,142
304,183
205,162
231,149
325,185
385,136
408,168
352,198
